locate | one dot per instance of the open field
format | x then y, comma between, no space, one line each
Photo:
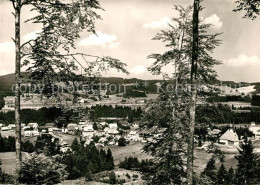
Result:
8,161
134,149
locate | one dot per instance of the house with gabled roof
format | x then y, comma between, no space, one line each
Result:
229,138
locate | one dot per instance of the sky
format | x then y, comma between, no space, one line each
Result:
128,26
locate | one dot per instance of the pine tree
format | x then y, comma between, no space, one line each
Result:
222,175
210,171
75,146
247,167
110,160
230,176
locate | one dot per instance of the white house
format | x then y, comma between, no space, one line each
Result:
113,125
88,131
35,133
82,124
229,138
113,131
72,127
28,133
5,128
133,136
34,126
103,123
256,131
11,126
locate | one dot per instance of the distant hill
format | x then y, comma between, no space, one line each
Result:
6,82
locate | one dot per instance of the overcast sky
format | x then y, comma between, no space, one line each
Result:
129,25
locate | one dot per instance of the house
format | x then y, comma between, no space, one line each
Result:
64,130
103,123
34,126
113,125
72,127
133,136
56,130
88,131
229,138
256,131
47,126
28,133
35,133
87,142
214,133
11,126
112,131
26,128
31,133
5,128
103,140
135,125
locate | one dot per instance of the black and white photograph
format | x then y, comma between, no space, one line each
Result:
133,92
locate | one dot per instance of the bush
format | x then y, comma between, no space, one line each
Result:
128,176
88,176
121,142
41,170
112,178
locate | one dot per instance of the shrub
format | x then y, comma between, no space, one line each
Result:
112,178
88,176
121,142
41,170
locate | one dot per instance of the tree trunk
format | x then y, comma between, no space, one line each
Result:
17,85
193,77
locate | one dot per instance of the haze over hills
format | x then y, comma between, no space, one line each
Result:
7,81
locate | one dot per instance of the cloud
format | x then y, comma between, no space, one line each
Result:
162,23
137,70
243,61
214,20
31,36
7,53
242,68
100,39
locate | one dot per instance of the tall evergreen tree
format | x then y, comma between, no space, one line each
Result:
210,171
230,176
247,167
222,175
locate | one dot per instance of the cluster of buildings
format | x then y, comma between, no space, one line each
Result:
29,130
229,140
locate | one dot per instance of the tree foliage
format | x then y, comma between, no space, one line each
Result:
85,161
170,111
50,55
251,8
247,171
41,170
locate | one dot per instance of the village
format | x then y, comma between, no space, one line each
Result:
129,92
